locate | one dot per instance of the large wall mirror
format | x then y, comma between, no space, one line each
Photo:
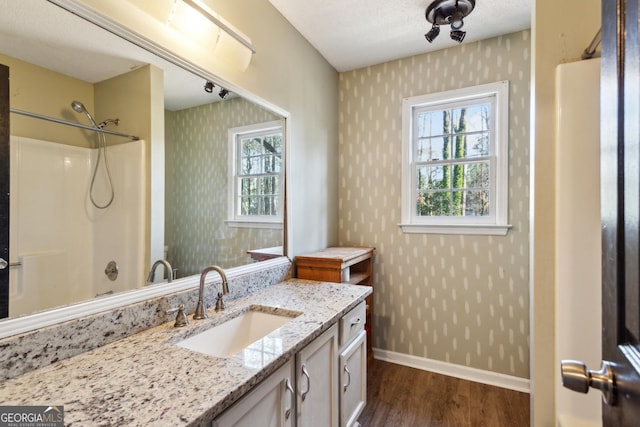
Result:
92,212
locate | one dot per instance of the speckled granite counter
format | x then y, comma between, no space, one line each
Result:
145,379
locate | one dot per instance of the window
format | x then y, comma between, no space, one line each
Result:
256,175
454,164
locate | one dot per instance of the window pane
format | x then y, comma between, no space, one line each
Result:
273,144
477,145
433,123
268,185
477,203
432,177
430,149
271,164
477,175
251,147
436,203
249,205
248,186
478,117
268,206
251,166
458,203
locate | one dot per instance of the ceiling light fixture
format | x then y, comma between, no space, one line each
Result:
223,93
208,87
433,33
457,35
448,12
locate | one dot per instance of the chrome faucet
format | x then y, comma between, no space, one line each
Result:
200,312
167,269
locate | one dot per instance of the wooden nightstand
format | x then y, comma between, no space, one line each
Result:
342,265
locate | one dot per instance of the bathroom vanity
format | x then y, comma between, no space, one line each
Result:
312,366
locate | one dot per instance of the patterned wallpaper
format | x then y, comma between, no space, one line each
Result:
460,299
196,187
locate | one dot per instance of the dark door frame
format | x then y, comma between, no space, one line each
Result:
620,177
4,188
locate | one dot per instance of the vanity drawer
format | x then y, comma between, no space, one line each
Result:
352,323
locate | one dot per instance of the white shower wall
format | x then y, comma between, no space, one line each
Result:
578,247
62,242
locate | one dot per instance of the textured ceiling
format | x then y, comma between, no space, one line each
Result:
356,33
348,33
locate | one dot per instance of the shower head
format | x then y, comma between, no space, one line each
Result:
80,108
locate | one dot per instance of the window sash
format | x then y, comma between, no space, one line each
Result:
253,198
422,150
450,190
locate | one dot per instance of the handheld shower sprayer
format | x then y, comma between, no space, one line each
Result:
102,148
79,107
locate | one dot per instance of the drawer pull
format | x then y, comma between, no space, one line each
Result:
346,370
355,321
306,374
287,413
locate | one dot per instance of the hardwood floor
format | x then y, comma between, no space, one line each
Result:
401,396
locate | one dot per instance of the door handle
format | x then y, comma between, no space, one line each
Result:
576,377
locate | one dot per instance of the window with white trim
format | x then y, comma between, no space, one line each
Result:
455,161
256,172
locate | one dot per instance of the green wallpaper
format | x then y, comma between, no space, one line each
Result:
196,187
460,299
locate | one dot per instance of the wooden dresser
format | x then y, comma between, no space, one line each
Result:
342,265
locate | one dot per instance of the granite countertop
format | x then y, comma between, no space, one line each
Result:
146,379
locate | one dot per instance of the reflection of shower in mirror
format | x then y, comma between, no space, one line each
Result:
58,237
102,153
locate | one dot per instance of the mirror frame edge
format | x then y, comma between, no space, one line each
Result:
23,324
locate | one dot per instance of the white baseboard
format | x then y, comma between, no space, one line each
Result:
458,371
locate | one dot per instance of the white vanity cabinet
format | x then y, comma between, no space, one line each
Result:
352,366
317,381
324,385
270,404
353,381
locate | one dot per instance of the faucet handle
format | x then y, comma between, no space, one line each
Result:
219,302
181,317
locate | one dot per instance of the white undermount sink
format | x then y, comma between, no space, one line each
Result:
237,333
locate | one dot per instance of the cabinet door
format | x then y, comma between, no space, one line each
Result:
270,404
317,381
353,381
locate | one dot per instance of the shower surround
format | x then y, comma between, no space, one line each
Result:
60,242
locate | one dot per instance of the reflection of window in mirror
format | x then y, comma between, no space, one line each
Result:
256,175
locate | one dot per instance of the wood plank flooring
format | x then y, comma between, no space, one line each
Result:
401,396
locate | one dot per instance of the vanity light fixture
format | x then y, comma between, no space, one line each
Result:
208,87
199,6
448,12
